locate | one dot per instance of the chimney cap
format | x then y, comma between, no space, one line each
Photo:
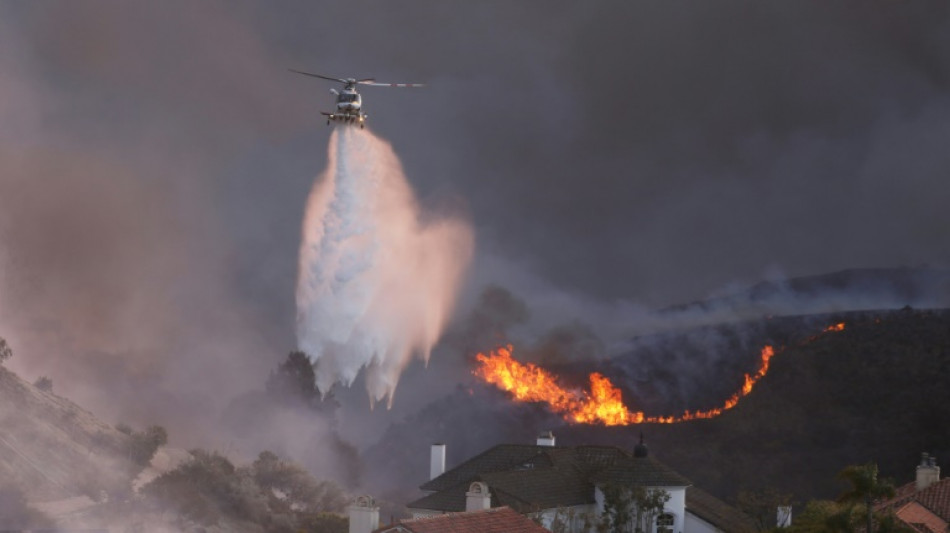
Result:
364,501
640,450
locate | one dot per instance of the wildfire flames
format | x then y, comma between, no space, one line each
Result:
603,404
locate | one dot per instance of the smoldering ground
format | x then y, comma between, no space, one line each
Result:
156,159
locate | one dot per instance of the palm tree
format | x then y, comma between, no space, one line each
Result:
866,488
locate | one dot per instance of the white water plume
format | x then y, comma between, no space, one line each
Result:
376,283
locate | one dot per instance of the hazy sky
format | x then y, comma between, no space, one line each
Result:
155,157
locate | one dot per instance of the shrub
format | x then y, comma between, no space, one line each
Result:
208,486
279,496
143,445
302,491
44,383
5,351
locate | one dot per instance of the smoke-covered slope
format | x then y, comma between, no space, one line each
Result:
845,290
52,448
874,391
62,466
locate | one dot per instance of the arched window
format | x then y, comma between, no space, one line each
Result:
664,523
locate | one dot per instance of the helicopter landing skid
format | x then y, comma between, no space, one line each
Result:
346,119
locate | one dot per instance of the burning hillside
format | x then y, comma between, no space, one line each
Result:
868,389
603,404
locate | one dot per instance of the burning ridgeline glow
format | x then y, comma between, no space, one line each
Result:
603,404
376,285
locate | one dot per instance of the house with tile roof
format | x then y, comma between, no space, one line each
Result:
568,485
494,520
923,504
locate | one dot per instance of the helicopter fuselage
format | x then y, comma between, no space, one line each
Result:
348,102
348,107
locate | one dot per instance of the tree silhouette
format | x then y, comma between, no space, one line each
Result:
866,488
5,351
294,378
295,381
630,508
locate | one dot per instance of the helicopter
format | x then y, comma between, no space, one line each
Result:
348,101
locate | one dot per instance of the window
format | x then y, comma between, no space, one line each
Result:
664,523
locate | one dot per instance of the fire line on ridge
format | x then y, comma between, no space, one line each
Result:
528,382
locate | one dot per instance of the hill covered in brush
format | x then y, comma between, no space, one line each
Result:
61,466
850,289
872,392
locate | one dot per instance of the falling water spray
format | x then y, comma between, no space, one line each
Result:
376,283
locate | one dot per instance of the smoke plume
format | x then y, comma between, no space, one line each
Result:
376,283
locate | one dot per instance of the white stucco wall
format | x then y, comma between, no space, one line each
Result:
576,514
675,506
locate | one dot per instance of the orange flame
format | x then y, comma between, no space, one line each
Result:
603,404
530,383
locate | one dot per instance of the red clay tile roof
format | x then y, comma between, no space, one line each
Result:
921,518
936,498
496,520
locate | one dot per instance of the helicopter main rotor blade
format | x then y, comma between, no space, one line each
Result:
341,80
392,84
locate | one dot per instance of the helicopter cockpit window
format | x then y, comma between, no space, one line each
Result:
347,97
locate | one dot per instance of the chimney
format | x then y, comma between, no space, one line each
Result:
477,498
364,515
928,472
783,516
437,460
641,450
546,439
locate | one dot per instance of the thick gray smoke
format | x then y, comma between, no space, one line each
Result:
376,284
154,158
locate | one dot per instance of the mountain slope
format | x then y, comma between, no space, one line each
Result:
875,391
52,448
845,290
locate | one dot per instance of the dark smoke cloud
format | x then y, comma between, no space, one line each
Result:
156,158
